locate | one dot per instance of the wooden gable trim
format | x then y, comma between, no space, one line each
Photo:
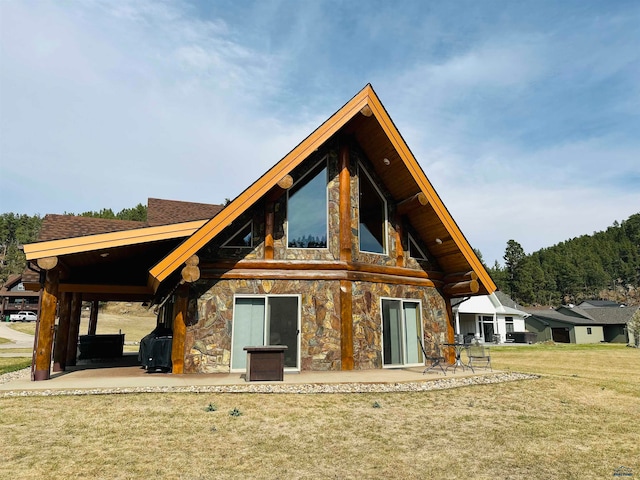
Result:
365,102
425,186
66,246
260,188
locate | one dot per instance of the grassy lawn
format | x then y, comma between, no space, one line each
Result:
578,421
11,364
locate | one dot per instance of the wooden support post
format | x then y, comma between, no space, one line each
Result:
268,231
74,329
460,277
46,327
450,354
62,334
399,235
345,204
346,324
93,318
179,328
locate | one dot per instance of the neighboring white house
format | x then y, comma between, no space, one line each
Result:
488,317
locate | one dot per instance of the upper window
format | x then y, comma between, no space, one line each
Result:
242,239
373,215
307,210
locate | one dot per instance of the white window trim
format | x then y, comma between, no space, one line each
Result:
226,244
404,346
324,159
385,233
264,339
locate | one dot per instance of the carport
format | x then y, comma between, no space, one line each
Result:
83,259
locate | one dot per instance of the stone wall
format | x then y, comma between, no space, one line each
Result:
208,340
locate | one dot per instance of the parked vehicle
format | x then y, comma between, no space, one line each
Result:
23,317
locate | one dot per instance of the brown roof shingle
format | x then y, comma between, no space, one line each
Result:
165,212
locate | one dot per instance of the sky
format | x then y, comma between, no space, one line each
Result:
523,115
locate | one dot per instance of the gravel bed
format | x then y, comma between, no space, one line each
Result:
440,384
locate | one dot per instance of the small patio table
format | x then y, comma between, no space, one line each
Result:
457,348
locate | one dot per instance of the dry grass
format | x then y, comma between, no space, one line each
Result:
578,421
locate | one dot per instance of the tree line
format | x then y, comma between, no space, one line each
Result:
17,229
605,265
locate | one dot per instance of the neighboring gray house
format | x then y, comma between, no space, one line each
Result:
590,322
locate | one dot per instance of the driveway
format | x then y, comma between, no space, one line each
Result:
18,340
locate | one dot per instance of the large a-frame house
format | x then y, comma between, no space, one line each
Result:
342,251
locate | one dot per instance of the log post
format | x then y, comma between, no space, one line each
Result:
450,354
62,334
460,277
74,329
345,204
268,231
46,327
93,318
346,325
399,235
179,328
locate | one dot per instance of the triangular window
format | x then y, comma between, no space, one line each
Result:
373,215
243,238
307,217
414,250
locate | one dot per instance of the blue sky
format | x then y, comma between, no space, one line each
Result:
524,115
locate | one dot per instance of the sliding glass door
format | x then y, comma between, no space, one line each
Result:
265,320
401,333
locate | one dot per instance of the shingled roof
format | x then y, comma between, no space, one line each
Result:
159,212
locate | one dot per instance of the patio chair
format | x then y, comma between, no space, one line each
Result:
434,360
479,356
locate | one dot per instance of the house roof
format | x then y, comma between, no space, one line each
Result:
489,304
365,119
590,316
70,234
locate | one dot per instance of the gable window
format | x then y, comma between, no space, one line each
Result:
265,320
401,333
307,216
373,215
243,238
414,250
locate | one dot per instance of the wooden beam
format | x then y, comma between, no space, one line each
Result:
460,277
416,201
93,317
286,182
366,111
458,289
62,334
47,263
346,325
46,327
345,204
179,328
74,329
106,289
190,273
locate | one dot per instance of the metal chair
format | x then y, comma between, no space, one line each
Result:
479,356
436,358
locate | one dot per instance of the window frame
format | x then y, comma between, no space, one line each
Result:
266,297
226,244
385,222
403,353
325,160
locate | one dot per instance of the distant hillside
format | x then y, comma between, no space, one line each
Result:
604,265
